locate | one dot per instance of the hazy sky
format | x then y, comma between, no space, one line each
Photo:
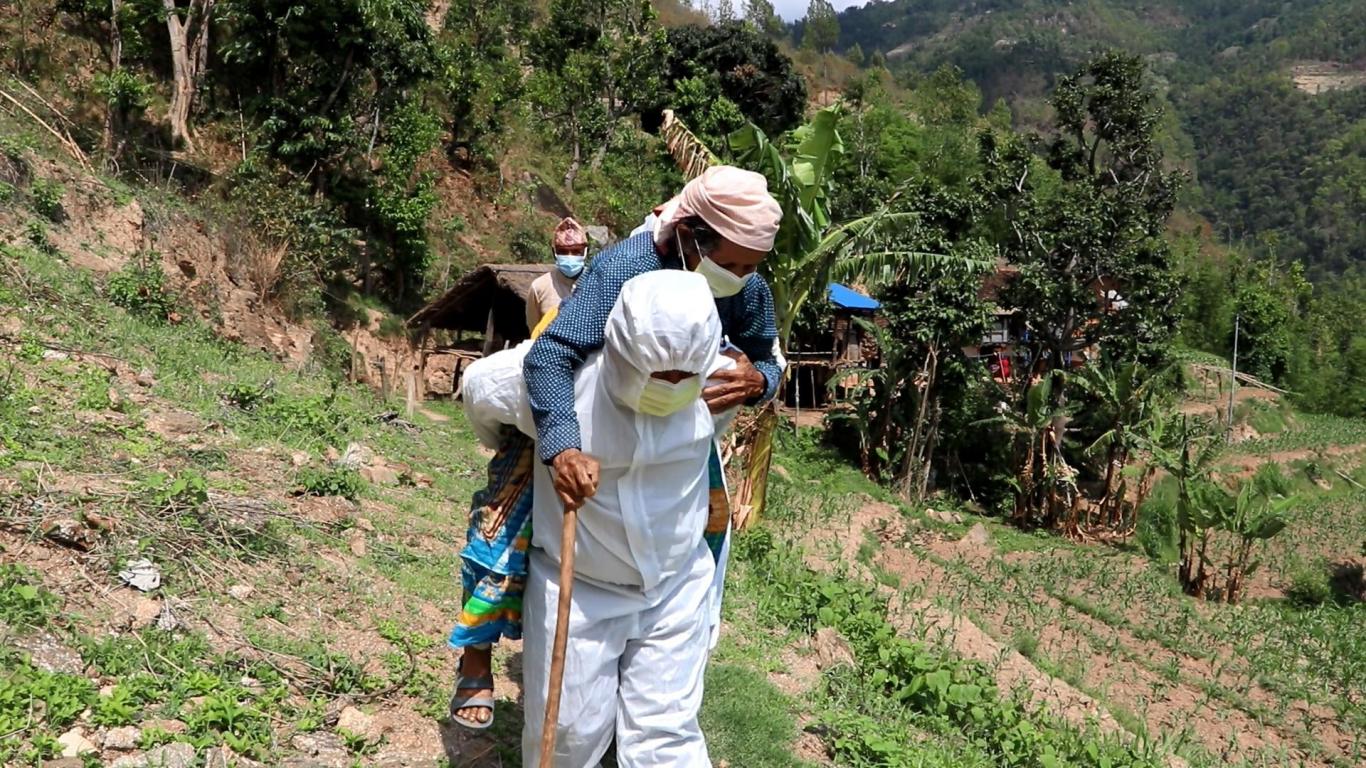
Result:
792,10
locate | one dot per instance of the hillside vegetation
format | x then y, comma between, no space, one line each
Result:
1268,96
1092,545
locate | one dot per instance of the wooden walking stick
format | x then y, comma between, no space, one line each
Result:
552,703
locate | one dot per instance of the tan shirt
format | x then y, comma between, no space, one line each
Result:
545,294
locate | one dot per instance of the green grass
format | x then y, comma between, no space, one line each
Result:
1309,432
747,720
1294,651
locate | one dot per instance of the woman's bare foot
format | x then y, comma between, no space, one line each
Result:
475,663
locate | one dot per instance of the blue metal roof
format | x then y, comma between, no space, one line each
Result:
847,298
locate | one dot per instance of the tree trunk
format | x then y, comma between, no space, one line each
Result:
189,57
1107,499
113,113
573,172
601,153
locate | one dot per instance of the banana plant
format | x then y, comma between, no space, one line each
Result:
1037,426
1259,512
1126,396
1187,450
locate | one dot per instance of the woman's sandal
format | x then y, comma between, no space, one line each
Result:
459,702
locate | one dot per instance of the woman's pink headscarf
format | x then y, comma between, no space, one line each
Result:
732,201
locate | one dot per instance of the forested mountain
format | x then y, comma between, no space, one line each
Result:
1270,97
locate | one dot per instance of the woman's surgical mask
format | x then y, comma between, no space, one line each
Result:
665,398
722,281
569,264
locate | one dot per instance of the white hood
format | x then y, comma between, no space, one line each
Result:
651,507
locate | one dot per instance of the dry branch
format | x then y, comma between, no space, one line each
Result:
62,137
689,153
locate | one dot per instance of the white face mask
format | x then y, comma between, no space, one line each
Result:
722,281
665,398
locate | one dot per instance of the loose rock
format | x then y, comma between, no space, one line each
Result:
224,757
241,591
380,474
174,727
123,739
177,755
49,653
977,536
944,516
358,723
355,457
318,750
357,544
832,650
71,533
142,611
146,378
74,743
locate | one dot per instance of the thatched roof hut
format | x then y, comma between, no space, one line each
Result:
490,300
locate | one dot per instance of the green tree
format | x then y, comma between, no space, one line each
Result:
1044,483
1094,263
1269,302
480,69
346,112
855,55
1337,213
761,15
595,61
712,116
1123,401
402,197
1186,450
821,27
751,70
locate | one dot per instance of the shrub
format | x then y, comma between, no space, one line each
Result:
262,260
392,327
346,483
247,397
45,195
22,600
141,289
36,233
530,242
331,352
123,90
1309,587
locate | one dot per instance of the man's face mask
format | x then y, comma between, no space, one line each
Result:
569,264
722,281
665,398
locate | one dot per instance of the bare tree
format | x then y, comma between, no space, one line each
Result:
115,61
189,31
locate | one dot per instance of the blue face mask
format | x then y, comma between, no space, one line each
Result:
569,265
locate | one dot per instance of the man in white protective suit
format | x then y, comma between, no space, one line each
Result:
647,587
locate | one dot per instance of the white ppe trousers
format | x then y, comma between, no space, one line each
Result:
633,667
